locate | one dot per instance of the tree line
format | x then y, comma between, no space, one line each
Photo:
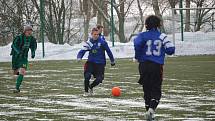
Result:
69,21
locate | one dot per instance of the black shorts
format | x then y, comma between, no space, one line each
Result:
97,70
150,73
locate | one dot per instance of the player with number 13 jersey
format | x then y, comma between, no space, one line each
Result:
150,49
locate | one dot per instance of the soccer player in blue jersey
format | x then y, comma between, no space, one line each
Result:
96,62
150,49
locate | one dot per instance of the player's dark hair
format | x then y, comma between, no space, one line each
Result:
94,29
152,21
99,26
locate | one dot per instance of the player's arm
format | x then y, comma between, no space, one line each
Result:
33,46
15,45
110,54
169,46
86,47
103,37
81,54
138,44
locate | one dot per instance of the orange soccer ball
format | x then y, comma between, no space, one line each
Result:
116,91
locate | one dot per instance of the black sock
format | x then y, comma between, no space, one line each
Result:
95,83
153,104
86,85
147,107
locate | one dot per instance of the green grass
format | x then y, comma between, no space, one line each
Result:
52,90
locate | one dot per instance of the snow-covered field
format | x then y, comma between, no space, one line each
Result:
53,90
198,43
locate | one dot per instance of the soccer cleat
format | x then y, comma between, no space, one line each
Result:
150,115
86,94
16,91
147,116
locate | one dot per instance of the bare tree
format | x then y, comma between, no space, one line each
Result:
99,16
105,24
14,14
86,9
173,4
104,15
69,10
121,17
19,20
187,21
121,14
54,20
141,16
201,14
50,24
156,9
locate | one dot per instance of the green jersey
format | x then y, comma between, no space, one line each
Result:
20,47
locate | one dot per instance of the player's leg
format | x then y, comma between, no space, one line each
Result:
157,79
15,71
15,65
22,64
144,81
99,75
155,92
145,70
22,72
147,96
88,68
